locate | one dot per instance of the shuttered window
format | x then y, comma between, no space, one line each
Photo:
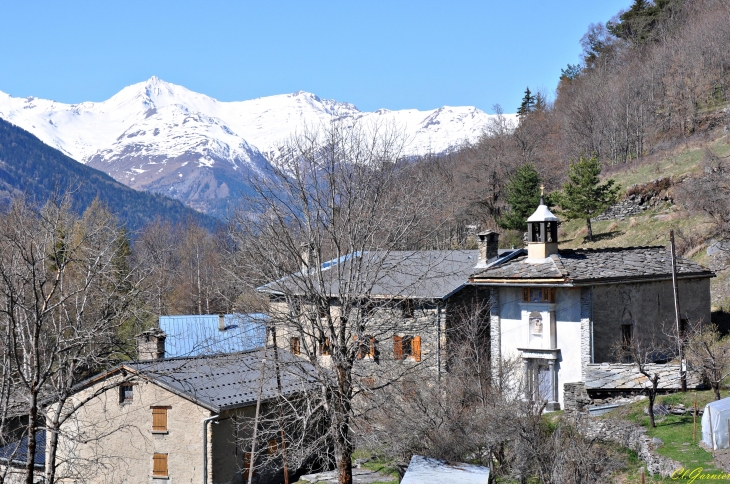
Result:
295,346
159,419
397,347
407,347
159,465
416,348
366,347
247,465
273,446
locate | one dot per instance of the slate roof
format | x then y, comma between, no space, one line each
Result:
427,274
607,376
423,470
591,265
195,335
17,451
228,381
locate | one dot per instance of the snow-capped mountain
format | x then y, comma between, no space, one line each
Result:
165,138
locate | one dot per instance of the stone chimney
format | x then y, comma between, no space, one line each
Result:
221,322
488,246
151,344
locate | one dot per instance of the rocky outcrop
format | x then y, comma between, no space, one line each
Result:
639,198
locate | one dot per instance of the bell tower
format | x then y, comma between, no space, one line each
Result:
542,231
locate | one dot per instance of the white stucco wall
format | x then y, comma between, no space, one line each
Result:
515,330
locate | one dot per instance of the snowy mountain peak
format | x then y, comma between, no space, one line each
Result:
160,136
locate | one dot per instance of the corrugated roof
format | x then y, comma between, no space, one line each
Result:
194,335
427,274
226,381
587,265
17,452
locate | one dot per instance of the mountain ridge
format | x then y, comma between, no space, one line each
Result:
162,137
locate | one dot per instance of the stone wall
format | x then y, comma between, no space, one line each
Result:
575,397
627,435
640,198
628,207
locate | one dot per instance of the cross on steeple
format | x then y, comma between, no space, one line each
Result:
542,194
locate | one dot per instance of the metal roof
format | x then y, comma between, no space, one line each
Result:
422,470
194,335
427,274
17,452
220,382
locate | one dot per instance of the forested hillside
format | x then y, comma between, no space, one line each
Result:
651,82
30,167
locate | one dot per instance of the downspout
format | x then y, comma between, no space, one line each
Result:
205,447
438,340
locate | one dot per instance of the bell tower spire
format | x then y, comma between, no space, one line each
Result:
542,231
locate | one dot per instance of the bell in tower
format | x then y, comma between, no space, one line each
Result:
542,232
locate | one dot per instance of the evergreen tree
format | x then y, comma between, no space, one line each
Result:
528,103
523,197
583,197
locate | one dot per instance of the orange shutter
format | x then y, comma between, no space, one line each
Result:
159,465
372,347
397,347
159,419
246,465
416,348
294,343
273,446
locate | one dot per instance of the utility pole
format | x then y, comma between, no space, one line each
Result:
677,314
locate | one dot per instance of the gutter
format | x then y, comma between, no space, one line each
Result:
205,446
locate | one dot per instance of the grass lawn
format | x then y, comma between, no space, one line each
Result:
676,431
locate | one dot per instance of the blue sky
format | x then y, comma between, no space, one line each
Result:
374,54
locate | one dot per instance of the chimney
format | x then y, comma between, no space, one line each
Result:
221,322
488,246
151,344
306,255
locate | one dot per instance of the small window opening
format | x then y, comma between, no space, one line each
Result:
126,393
295,346
324,347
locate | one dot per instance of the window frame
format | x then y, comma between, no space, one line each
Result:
160,410
158,474
547,295
123,398
407,347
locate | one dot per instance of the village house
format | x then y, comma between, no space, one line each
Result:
563,312
176,420
407,303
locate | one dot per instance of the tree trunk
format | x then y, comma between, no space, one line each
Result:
344,461
716,389
52,447
32,419
590,229
652,397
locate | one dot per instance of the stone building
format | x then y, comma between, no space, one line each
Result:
407,302
564,311
174,420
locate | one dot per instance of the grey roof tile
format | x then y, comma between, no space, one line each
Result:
583,265
226,381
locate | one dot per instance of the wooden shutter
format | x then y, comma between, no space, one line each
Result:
294,344
159,419
273,446
247,465
159,465
372,347
526,294
397,347
416,348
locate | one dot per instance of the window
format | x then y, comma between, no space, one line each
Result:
323,311
247,465
324,347
538,294
159,419
366,347
294,346
273,446
126,393
683,325
626,336
407,308
159,465
407,347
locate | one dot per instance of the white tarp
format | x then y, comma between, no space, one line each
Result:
424,470
720,412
